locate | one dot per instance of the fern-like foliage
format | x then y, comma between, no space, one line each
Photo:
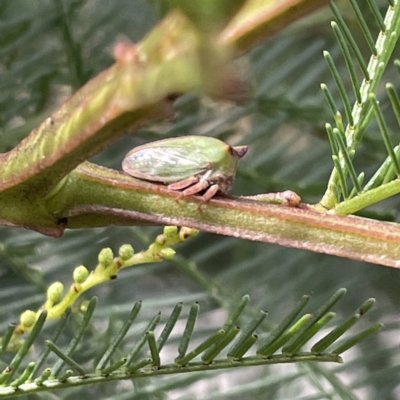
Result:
345,137
289,337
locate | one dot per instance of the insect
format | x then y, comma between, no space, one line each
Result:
192,164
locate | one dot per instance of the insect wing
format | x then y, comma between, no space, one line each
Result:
164,163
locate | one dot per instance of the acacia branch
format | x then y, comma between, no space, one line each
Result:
127,201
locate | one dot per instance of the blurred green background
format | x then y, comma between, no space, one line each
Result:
48,49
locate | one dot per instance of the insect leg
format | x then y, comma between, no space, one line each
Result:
210,193
183,183
196,188
190,185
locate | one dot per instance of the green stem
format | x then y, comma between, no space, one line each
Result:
368,198
142,372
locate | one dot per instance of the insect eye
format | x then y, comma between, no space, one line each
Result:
239,151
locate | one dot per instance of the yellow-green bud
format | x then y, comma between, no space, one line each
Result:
167,252
160,239
55,291
83,306
170,231
185,233
106,256
126,251
28,318
80,274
